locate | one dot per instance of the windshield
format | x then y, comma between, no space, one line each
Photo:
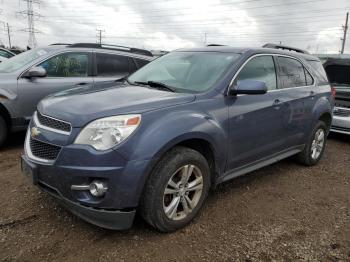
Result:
191,72
21,60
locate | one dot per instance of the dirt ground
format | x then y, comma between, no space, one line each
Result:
284,212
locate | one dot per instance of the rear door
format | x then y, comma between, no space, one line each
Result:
297,96
64,71
110,66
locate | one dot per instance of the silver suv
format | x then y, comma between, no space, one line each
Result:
28,77
338,69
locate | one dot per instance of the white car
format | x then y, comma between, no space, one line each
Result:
2,59
338,71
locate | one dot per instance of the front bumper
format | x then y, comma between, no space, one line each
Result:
110,219
341,123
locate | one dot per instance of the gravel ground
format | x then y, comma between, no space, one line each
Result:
284,212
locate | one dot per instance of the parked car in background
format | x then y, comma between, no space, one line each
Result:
2,59
182,124
28,77
6,53
338,71
17,51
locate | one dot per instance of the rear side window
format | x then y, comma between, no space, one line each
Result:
319,72
261,68
111,65
140,62
291,72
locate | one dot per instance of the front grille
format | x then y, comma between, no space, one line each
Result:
341,112
43,150
53,123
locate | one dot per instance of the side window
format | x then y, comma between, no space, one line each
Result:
140,62
261,68
291,72
111,65
319,72
67,65
5,54
309,79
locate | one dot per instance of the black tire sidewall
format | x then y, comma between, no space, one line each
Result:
166,168
3,131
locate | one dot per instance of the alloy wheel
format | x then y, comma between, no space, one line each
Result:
317,144
183,192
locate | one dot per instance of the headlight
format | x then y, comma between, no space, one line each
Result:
105,133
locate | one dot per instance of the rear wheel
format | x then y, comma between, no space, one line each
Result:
3,131
176,190
315,146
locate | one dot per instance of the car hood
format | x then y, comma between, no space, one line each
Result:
82,105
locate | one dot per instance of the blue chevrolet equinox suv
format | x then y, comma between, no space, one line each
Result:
156,142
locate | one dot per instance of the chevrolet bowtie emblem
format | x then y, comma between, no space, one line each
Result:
35,132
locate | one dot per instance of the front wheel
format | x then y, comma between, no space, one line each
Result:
315,146
176,190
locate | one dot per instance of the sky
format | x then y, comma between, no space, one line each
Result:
314,25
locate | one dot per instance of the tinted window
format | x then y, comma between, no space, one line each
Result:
111,65
291,72
5,54
319,72
140,62
67,65
261,68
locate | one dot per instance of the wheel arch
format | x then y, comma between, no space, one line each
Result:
6,115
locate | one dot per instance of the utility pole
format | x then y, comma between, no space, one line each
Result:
30,14
8,34
99,35
345,29
205,39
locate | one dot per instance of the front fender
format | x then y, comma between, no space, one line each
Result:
161,131
6,95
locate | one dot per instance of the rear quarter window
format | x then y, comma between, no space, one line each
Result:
319,72
140,62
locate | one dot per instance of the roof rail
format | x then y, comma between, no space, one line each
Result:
114,47
275,46
215,45
60,44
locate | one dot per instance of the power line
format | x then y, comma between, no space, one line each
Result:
99,35
8,34
345,29
219,5
31,15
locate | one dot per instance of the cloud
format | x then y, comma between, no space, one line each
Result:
171,24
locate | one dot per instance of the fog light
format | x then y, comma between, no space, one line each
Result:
98,188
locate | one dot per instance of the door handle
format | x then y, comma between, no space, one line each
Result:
312,93
81,84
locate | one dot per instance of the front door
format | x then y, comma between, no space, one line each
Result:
64,71
255,121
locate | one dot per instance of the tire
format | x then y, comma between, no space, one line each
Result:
3,131
172,167
308,156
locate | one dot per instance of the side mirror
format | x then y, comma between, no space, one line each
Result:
36,71
248,87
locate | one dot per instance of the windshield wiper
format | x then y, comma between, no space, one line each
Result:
156,84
